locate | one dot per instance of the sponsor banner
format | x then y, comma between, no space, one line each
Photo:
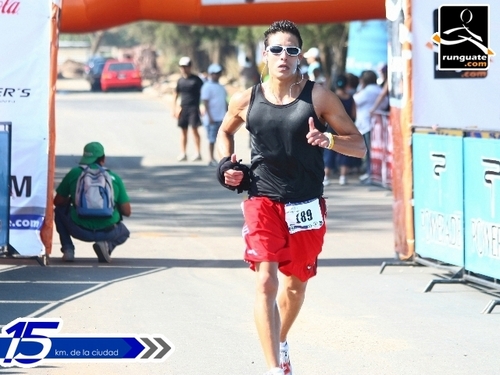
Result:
24,101
29,191
4,182
381,150
438,197
399,18
462,39
455,45
482,206
26,222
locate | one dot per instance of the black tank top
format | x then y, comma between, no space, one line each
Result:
284,166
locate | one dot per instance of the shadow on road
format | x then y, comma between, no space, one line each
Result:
176,200
34,291
188,196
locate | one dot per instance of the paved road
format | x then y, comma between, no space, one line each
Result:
181,274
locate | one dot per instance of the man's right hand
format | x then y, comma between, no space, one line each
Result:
233,177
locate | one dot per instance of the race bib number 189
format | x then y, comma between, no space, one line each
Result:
303,216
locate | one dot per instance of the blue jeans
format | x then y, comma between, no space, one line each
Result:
66,229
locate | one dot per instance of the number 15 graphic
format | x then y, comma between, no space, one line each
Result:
30,343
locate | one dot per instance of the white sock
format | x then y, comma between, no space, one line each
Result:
275,371
283,344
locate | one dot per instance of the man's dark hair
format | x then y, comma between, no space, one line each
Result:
352,80
283,26
341,81
368,77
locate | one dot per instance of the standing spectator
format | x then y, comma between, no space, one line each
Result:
365,99
213,96
351,88
382,102
344,161
286,117
352,83
105,232
188,88
314,70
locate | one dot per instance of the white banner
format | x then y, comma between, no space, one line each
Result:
25,27
463,100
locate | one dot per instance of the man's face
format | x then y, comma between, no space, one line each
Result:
282,64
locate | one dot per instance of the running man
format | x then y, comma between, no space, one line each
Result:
285,212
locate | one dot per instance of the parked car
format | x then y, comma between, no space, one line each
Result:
93,71
120,75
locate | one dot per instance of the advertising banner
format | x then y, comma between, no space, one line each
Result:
455,70
482,206
4,182
438,197
381,150
400,119
25,26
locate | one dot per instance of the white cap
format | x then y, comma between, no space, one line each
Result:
185,61
312,52
214,69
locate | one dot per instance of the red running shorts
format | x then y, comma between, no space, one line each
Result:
267,239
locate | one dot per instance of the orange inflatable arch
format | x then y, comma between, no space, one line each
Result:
81,16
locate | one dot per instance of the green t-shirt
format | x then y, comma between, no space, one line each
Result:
67,188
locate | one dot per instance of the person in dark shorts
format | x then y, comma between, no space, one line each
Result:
188,114
285,211
345,162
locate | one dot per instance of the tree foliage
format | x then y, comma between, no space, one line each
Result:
207,44
331,40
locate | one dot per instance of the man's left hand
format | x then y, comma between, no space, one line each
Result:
315,137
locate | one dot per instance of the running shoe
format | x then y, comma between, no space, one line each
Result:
182,157
101,249
285,359
342,180
197,157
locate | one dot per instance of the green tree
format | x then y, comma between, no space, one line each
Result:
249,37
206,44
331,40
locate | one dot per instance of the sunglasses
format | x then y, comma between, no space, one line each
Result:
276,50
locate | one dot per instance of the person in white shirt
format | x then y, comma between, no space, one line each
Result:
314,69
214,99
365,98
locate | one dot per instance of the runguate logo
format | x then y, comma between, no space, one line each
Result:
463,37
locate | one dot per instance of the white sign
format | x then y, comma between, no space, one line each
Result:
25,27
459,99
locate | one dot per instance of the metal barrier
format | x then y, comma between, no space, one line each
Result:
456,210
